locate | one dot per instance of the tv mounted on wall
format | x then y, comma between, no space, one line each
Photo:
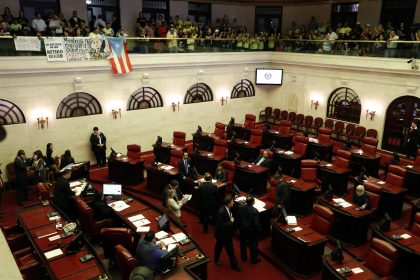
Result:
266,76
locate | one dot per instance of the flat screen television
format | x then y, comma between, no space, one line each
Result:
265,76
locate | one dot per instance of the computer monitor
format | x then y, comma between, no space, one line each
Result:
113,190
163,223
168,261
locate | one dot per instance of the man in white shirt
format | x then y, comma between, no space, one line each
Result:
391,47
56,26
38,24
100,22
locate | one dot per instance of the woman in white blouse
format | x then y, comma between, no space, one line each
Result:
172,204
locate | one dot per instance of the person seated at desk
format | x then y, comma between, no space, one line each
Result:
220,173
173,185
102,211
66,159
174,205
281,198
263,160
149,253
208,199
360,198
64,196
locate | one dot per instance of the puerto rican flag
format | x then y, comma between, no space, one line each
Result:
119,60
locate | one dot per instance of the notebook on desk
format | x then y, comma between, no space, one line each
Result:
113,191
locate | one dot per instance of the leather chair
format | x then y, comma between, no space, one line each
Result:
229,168
329,123
256,138
179,138
318,121
125,260
416,225
396,175
15,237
275,117
219,149
342,159
369,145
134,152
307,123
283,115
176,155
219,130
348,132
322,220
358,134
373,192
301,144
114,236
45,191
371,132
29,264
284,128
265,114
309,171
249,121
292,117
89,225
324,135
299,121
381,258
338,129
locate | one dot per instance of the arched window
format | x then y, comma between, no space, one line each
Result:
244,88
10,113
198,92
145,98
78,104
344,104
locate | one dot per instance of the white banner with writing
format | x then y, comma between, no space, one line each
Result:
28,44
54,49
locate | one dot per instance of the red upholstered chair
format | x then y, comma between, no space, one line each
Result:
373,191
301,144
29,264
329,123
358,134
114,236
298,122
283,115
309,171
219,130
417,161
322,220
89,225
45,191
176,155
219,150
381,258
229,168
249,121
396,175
284,128
345,135
369,145
265,114
342,159
324,134
338,129
134,152
256,138
416,225
292,116
275,117
316,125
125,260
372,133
308,122
15,237
179,138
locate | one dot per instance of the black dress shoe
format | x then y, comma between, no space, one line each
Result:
217,263
237,268
256,261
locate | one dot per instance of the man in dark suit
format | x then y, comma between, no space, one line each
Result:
63,195
281,199
184,166
208,198
98,142
148,253
413,140
224,234
263,160
21,177
249,229
174,185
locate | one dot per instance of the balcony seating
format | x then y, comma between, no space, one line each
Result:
265,114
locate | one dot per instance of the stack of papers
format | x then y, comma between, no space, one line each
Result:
136,218
240,199
168,241
161,234
380,182
179,236
288,153
143,229
141,223
119,205
291,220
342,202
53,253
259,205
166,167
405,236
186,197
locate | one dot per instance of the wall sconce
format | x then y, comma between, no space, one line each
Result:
42,122
224,100
314,104
371,113
175,106
115,113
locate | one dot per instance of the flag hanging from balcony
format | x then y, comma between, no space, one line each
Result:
119,60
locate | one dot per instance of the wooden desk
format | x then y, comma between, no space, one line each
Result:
36,224
122,170
241,132
323,149
350,225
193,267
329,269
407,266
282,141
299,252
370,161
412,180
242,147
289,162
163,152
302,195
337,177
251,178
392,198
158,178
80,170
205,161
204,141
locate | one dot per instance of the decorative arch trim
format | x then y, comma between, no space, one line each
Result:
199,92
10,113
144,98
344,104
244,88
78,104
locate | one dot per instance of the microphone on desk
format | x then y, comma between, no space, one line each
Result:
291,173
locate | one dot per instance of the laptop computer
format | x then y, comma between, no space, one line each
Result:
112,190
